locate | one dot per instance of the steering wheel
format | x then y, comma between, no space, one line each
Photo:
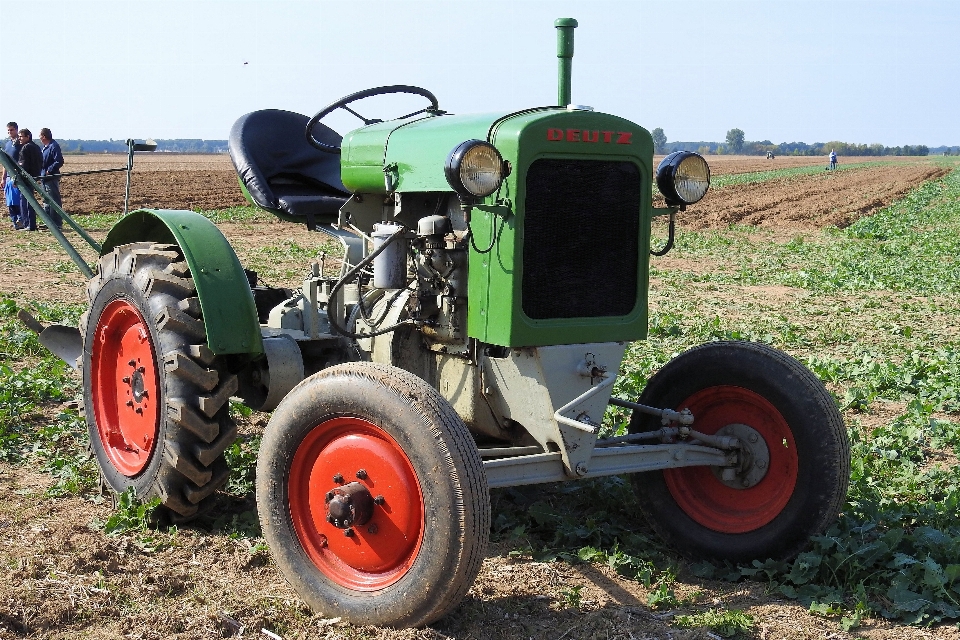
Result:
359,95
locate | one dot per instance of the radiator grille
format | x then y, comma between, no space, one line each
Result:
580,238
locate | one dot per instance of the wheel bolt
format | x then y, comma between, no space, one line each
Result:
745,482
761,464
129,403
126,379
348,532
379,500
362,473
141,369
373,528
139,410
330,519
338,478
329,496
132,363
753,437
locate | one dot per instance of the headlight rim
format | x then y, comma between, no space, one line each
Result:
666,178
451,169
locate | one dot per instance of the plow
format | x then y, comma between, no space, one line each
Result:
495,269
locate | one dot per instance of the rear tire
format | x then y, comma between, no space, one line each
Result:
805,484
155,397
389,435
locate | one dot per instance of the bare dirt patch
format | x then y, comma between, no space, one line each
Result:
723,165
63,578
808,202
159,181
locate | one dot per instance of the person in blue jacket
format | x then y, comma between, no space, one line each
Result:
50,174
11,194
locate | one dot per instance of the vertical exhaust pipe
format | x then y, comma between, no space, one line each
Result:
565,27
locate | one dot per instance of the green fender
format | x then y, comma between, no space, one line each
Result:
225,296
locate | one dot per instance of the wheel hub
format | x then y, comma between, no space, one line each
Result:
349,505
364,533
754,458
137,386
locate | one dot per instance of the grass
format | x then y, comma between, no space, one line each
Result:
871,309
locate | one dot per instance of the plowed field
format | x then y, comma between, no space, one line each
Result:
836,198
62,577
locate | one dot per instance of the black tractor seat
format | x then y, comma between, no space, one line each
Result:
281,172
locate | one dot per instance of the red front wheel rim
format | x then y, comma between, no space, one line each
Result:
379,552
710,502
125,388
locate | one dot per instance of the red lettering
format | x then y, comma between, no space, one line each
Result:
607,135
554,134
573,135
623,137
588,138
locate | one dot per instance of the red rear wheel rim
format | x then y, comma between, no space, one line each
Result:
381,550
710,502
125,388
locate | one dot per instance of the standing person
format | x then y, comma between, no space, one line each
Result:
50,175
833,159
10,192
31,159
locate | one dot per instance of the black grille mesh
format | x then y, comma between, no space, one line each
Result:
580,246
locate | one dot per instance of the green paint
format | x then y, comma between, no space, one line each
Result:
495,309
415,151
225,297
565,27
419,148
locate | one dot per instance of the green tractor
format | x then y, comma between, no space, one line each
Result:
495,270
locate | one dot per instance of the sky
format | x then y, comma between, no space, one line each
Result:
781,70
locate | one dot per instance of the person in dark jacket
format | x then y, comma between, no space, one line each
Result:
31,159
50,174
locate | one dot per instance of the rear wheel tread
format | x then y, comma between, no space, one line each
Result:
186,465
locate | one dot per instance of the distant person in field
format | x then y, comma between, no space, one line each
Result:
31,160
10,192
50,175
833,159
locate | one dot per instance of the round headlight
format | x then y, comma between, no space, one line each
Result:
683,178
474,169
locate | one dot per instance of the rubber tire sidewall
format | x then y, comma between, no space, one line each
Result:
143,482
451,548
820,437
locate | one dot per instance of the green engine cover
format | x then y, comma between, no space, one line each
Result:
568,231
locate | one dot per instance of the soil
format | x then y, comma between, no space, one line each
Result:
158,181
62,577
832,198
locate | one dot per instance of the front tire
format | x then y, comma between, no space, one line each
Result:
406,545
747,388
155,397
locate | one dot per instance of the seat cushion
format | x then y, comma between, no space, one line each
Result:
274,160
324,206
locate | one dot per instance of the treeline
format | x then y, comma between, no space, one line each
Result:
763,147
177,145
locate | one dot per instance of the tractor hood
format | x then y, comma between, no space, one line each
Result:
411,154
